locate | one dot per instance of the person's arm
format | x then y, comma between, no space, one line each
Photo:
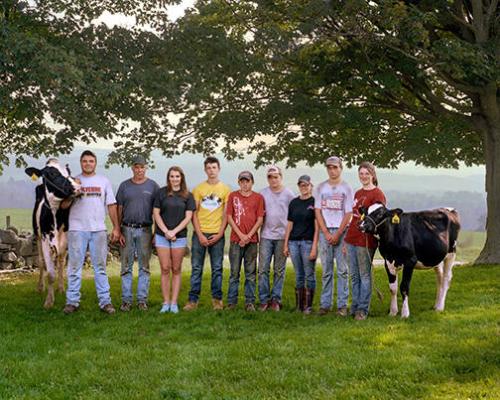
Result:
322,225
314,250
289,227
187,217
66,203
255,228
113,215
159,220
235,228
215,238
197,229
342,227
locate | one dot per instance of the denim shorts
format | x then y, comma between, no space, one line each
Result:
162,241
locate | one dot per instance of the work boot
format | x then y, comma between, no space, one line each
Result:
309,298
190,306
299,299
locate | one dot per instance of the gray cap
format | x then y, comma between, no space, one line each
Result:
305,179
138,159
273,170
245,175
334,160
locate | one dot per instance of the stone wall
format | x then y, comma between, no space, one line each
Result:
17,250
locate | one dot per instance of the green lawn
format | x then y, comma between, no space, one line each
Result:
236,355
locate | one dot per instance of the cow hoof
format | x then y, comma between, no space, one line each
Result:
393,313
48,305
404,315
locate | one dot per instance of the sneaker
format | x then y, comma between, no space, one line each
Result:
249,307
263,307
360,316
125,307
174,309
190,306
323,311
70,309
142,306
231,307
275,306
342,312
165,308
217,304
108,309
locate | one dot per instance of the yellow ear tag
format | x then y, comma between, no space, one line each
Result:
362,217
34,177
395,219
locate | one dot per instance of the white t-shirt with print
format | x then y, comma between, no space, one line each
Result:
334,202
88,212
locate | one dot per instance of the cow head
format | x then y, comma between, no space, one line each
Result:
375,216
57,179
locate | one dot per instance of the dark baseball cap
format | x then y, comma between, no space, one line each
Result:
304,179
138,159
245,175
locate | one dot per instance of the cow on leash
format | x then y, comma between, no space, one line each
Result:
422,240
49,222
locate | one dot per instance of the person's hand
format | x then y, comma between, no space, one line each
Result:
313,254
122,240
115,235
286,251
344,249
203,240
329,237
335,239
214,239
170,235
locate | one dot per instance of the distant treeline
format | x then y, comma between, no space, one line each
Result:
470,205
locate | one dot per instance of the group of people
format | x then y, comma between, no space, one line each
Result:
266,228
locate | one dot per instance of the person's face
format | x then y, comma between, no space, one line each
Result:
139,171
245,185
365,177
174,178
274,180
334,171
305,188
212,170
88,164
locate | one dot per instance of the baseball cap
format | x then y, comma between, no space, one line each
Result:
245,175
138,159
304,179
334,160
273,170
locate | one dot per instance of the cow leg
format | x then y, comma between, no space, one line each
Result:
41,266
49,255
447,275
405,288
393,287
439,284
61,260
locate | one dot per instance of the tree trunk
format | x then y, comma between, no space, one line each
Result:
491,250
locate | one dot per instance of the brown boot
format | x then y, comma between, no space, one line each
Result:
309,298
299,299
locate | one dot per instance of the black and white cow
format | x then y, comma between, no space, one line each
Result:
50,223
425,239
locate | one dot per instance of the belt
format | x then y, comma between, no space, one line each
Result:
128,225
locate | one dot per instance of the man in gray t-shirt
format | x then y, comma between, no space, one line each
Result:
276,199
333,207
135,199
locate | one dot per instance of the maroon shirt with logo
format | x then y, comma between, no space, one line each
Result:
245,211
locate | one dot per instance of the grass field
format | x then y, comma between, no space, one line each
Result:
470,243
236,355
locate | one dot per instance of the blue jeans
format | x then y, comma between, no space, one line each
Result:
137,242
360,264
97,244
216,253
304,268
328,254
247,254
270,248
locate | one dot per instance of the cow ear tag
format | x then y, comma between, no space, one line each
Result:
362,217
34,177
395,219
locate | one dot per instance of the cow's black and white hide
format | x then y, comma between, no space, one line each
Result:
425,239
50,223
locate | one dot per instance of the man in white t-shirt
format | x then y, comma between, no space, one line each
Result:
87,230
333,201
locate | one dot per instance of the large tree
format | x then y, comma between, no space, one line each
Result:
386,81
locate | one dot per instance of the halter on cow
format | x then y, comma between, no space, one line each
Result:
50,222
425,239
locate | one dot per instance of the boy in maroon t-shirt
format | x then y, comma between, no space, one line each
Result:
245,212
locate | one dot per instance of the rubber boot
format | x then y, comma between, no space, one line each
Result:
299,299
309,298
